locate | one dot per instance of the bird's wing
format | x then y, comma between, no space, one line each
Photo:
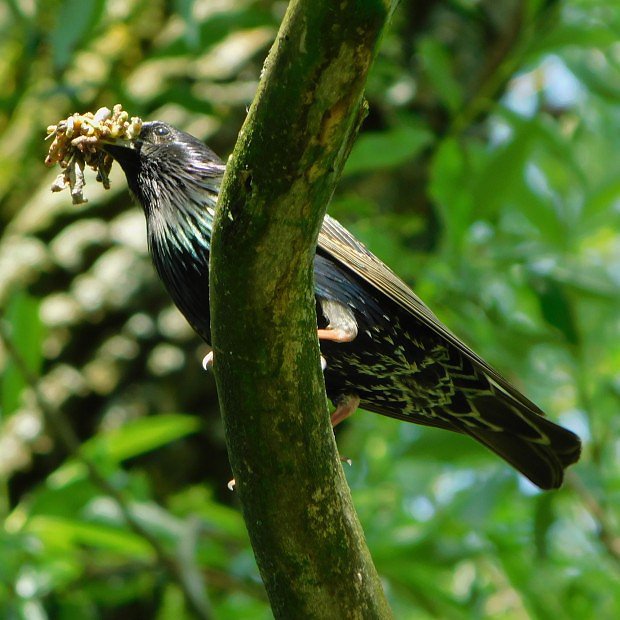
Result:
350,253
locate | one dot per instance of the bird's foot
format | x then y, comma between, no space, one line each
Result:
207,361
231,485
323,363
341,322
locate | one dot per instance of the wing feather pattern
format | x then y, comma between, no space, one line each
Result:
341,245
534,445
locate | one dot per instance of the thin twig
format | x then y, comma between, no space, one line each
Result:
609,539
196,600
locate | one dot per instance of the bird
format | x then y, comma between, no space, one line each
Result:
382,348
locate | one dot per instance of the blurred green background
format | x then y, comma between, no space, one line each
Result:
486,175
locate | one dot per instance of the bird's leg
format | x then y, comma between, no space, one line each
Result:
336,334
207,364
345,408
342,325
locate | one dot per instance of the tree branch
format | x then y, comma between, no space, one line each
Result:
297,506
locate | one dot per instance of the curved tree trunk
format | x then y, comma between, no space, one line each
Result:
297,506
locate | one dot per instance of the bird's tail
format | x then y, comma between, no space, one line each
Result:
519,434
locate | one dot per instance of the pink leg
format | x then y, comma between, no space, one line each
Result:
346,408
338,334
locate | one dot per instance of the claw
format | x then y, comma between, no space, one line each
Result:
207,361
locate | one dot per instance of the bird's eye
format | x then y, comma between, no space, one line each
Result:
161,131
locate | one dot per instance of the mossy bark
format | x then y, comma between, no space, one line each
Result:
296,503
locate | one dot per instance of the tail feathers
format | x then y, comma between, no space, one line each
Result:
532,444
541,464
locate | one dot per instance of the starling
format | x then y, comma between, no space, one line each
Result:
384,349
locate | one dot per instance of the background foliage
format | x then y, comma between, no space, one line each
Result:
485,175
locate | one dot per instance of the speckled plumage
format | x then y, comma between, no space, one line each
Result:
402,362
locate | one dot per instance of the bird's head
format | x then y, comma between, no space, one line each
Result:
167,169
176,179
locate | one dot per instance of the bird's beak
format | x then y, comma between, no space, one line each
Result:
122,150
119,142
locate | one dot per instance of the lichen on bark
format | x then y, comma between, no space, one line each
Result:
296,503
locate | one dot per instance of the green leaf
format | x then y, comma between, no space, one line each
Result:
557,308
27,332
185,8
439,71
504,169
574,35
74,22
599,82
387,149
450,180
133,439
140,436
71,534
